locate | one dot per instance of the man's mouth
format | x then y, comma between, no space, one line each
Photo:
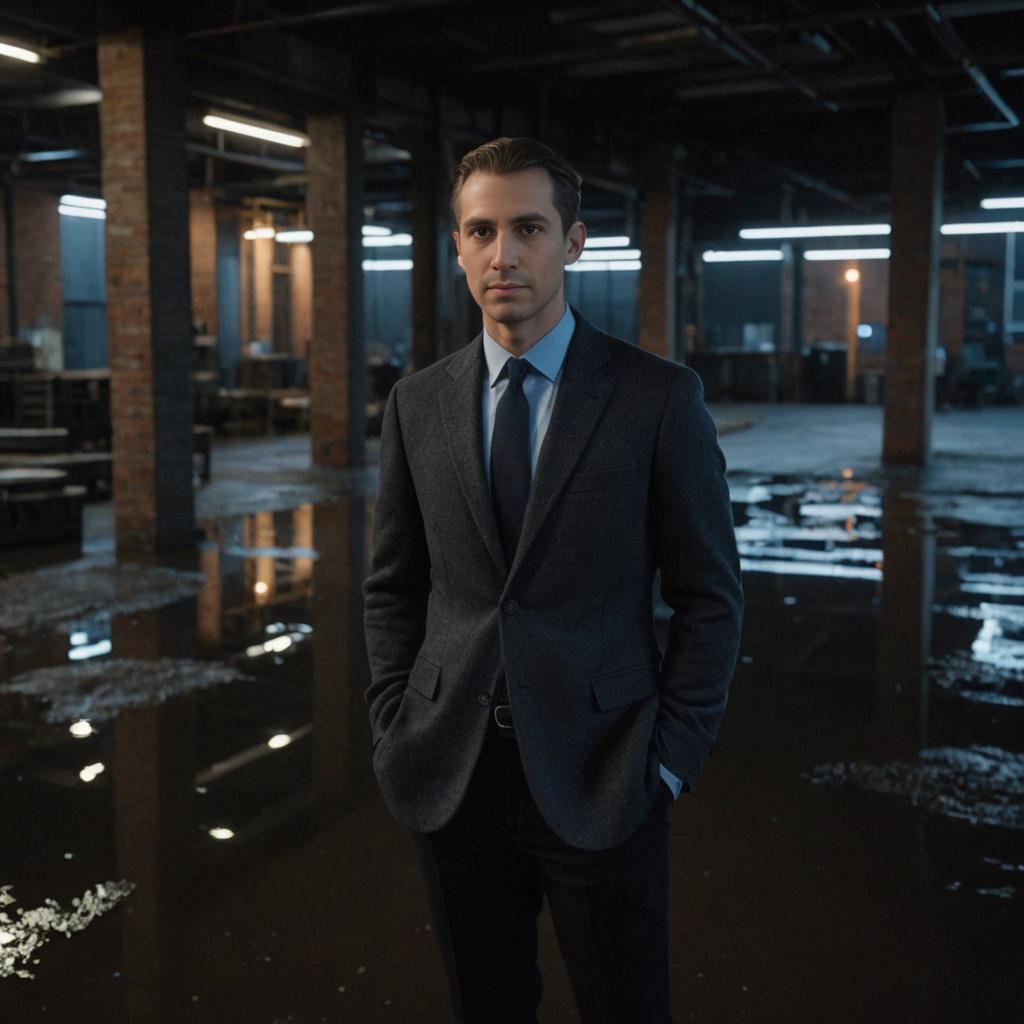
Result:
506,287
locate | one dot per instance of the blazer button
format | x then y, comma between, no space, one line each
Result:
511,607
484,698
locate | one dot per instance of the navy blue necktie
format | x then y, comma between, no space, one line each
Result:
510,457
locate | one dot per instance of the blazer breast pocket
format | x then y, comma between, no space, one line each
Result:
604,479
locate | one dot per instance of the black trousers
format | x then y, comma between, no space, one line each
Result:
486,873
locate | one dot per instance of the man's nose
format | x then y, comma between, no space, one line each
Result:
505,253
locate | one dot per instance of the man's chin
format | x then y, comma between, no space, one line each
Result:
505,312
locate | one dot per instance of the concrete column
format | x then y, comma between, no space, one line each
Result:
656,295
425,189
202,238
917,147
337,358
142,130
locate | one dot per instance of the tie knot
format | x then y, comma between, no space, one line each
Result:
517,369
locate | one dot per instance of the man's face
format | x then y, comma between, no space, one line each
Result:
512,248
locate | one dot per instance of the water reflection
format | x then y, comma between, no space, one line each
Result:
198,722
196,730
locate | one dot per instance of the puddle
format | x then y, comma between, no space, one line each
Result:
877,624
99,690
57,595
979,785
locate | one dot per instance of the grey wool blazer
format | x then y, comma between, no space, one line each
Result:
630,482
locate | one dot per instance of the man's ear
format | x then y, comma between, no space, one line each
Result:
458,247
575,241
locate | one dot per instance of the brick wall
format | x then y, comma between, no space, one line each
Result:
37,259
825,295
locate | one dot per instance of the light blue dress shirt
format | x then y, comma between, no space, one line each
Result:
546,356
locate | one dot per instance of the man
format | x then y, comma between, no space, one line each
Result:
526,727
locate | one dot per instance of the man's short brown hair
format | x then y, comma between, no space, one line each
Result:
508,156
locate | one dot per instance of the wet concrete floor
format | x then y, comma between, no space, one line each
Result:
192,831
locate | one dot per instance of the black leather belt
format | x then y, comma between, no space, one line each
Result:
503,719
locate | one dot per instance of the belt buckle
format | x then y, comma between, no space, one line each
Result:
503,718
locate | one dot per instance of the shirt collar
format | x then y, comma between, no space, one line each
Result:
545,355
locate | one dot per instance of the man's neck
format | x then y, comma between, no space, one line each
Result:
520,338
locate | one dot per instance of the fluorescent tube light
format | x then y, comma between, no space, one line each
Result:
994,227
607,242
291,237
86,202
846,254
373,229
81,211
604,265
387,264
255,131
817,231
386,240
254,233
1005,203
742,255
611,254
19,53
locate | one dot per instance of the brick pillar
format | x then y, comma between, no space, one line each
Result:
425,191
261,282
202,237
656,295
301,259
917,127
149,341
40,295
337,358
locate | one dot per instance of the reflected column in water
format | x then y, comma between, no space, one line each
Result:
341,731
905,628
153,778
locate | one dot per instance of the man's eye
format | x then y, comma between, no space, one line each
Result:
475,230
531,228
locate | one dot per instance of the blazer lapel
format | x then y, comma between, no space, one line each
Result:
462,416
583,391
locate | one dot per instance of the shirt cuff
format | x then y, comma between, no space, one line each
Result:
674,783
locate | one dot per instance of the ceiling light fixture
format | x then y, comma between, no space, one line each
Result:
742,255
255,131
19,53
817,231
818,255
994,227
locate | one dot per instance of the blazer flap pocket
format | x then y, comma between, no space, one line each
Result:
617,689
423,677
600,479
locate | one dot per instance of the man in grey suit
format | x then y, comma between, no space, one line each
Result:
527,729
